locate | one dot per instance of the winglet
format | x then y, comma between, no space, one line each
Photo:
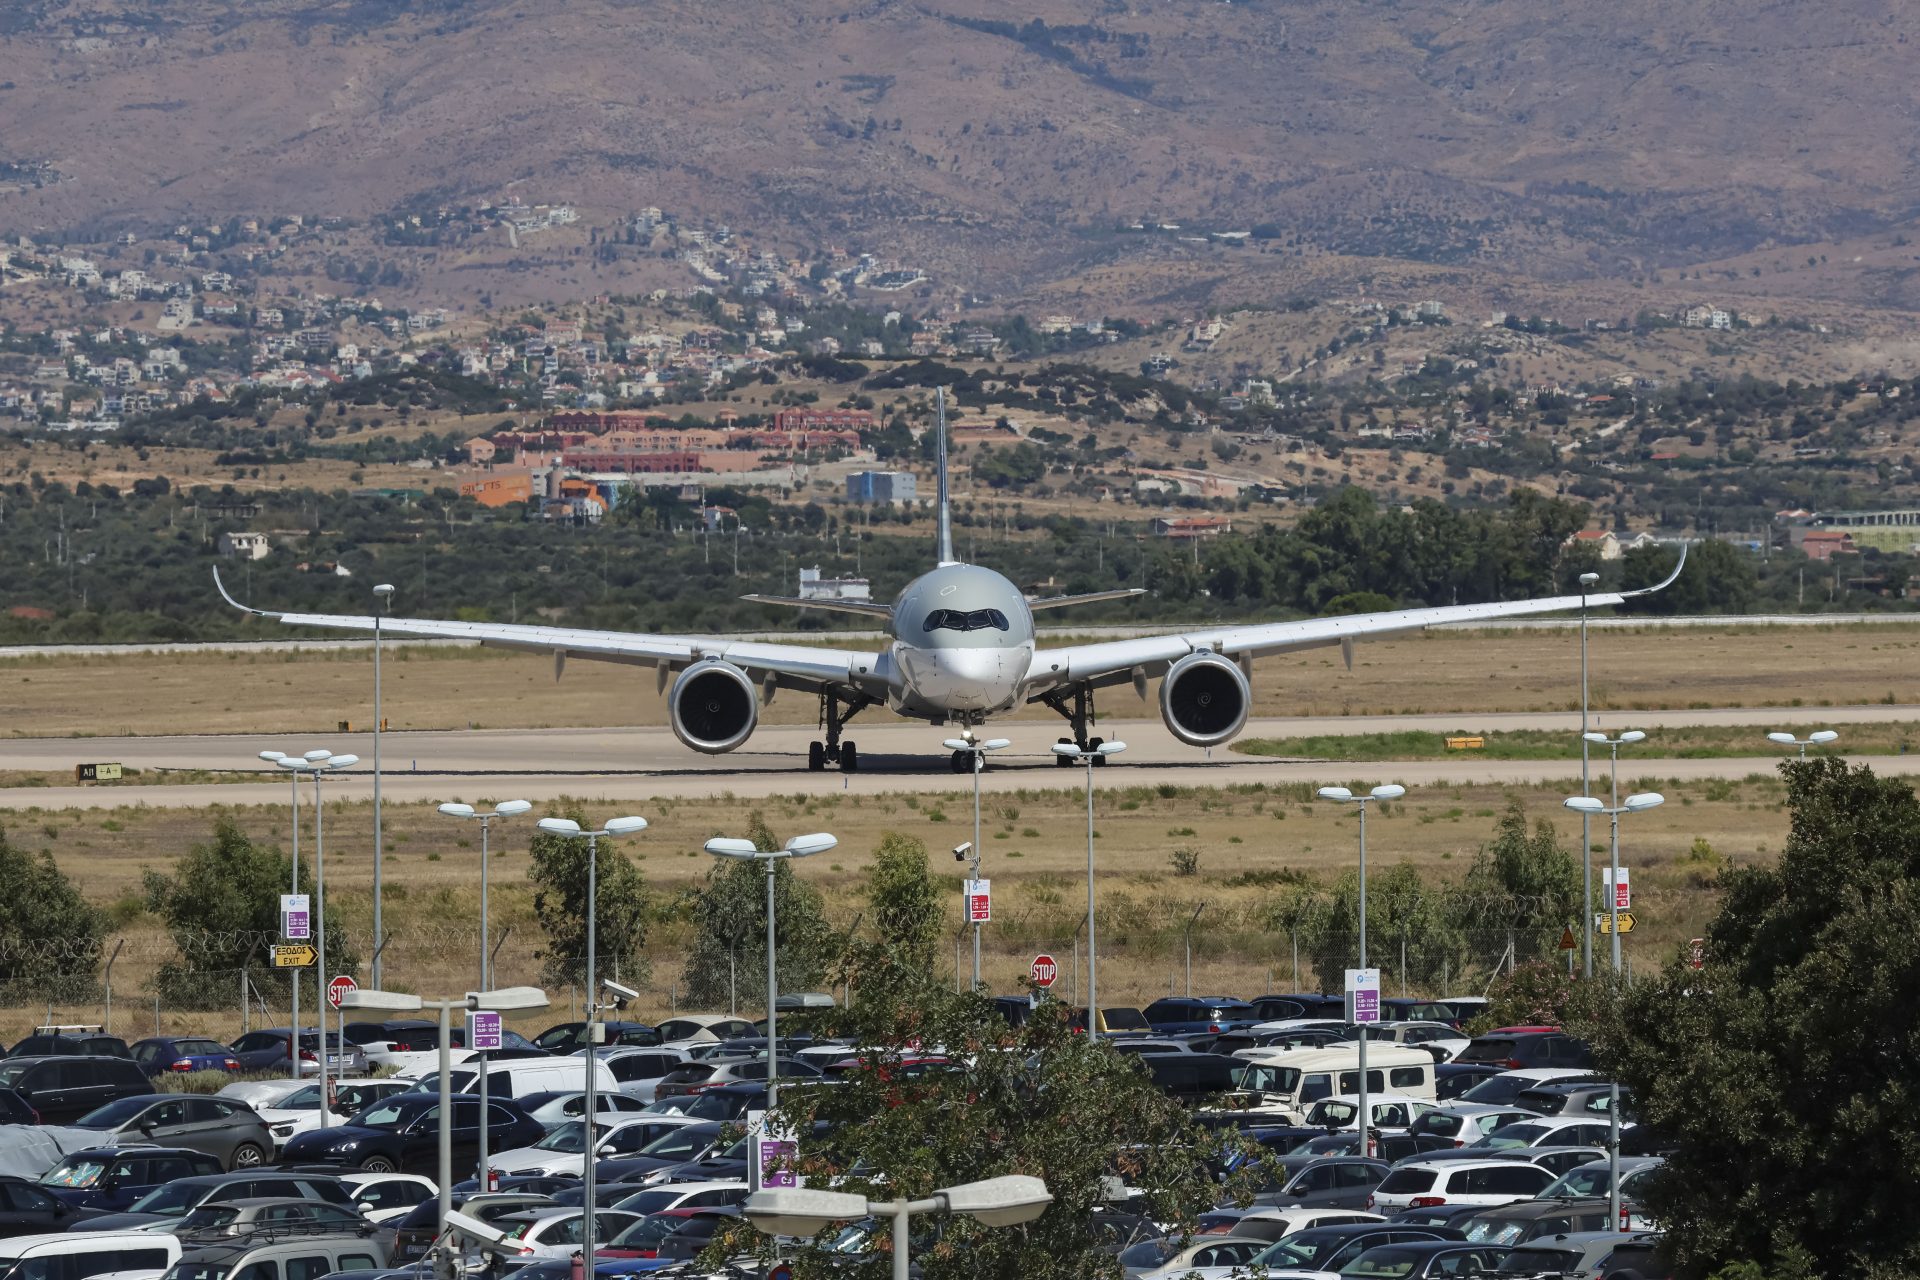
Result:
945,550
228,597
1664,583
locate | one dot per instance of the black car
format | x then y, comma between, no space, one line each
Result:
1331,1248
1309,1004
402,1133
683,1145
1191,1076
1569,1098
67,1087
88,1043
15,1109
27,1210
729,1102
1453,1079
691,1238
571,1037
112,1179
1439,1215
1515,1050
1199,1013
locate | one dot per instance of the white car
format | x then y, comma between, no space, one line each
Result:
687,1029
1464,1122
1443,1041
1204,1251
1417,1184
638,1069
299,1111
1390,1111
260,1094
619,1138
388,1197
1551,1131
559,1107
682,1195
555,1233
1293,1220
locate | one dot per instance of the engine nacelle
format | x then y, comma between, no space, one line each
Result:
1204,698
713,707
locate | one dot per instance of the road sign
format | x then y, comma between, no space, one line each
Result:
339,987
483,1031
1622,892
295,919
294,955
1469,742
1043,970
1566,939
1363,995
101,772
1697,952
979,901
781,1271
1604,923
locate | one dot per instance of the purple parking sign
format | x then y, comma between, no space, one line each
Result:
776,1163
295,925
1363,995
483,1031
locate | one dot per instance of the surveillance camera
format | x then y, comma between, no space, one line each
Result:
961,850
625,993
473,1228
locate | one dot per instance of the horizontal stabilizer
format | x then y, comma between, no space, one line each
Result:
1090,597
865,608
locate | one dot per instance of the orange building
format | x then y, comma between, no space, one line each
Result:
499,488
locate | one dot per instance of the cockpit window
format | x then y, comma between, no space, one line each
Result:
958,620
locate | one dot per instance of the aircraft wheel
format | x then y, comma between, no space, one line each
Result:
849,758
958,762
816,756
1093,744
1062,761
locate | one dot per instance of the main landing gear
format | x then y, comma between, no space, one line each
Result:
835,711
1076,705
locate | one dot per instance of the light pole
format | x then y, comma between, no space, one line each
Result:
317,762
505,809
1342,795
1589,806
1613,746
512,998
1819,738
1090,757
1587,581
976,755
797,847
805,1212
293,1044
567,828
383,595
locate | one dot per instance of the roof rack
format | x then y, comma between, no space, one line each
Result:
70,1029
251,1234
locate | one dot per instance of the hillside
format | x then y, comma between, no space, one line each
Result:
1006,144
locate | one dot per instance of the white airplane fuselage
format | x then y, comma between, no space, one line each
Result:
962,644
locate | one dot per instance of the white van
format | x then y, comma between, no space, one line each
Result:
80,1255
1288,1081
518,1077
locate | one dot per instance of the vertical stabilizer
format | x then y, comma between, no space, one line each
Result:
940,467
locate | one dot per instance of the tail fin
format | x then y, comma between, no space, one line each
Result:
940,464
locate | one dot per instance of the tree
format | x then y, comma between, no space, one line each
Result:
622,905
1524,888
222,908
726,959
1038,1100
906,906
1782,1074
52,936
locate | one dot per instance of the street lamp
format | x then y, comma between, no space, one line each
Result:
976,755
1342,795
384,595
293,1044
1819,738
567,828
317,762
1090,756
1591,807
797,847
1587,581
803,1211
503,1001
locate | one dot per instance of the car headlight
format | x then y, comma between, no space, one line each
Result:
350,1144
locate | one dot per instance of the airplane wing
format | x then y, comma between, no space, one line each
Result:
865,608
1116,661
1089,597
788,665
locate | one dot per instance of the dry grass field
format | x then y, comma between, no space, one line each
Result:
1440,672
1248,841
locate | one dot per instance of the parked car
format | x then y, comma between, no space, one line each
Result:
1415,1009
268,1050
1421,1259
1115,1020
1549,1131
111,1179
158,1055
1524,1220
421,1226
74,1255
299,1110
1452,1079
402,1135
1554,1159
27,1209
1416,1184
702,1028
221,1127
1389,1111
387,1197
1326,1248
1573,1097
1198,1013
571,1037
723,1193
1208,1251
62,1089
174,1199
1521,1049
1438,1038
1462,1123
556,1232
687,1141
1324,1182
1387,1145
643,1238
15,1109
520,1077
1573,1254
691,1237
637,1071
269,1254
249,1214
1595,1179
563,1106
1504,1087
86,1041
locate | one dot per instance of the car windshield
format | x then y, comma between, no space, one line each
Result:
1493,1231
1514,1135
171,1200
1294,1254
1265,1079
1499,1090
197,1271
1331,1113
648,1231
1148,1254
307,1099
210,1215
1587,1180
384,1115
203,1048
80,1172
349,1098
114,1114
1385,1263
649,1202
569,1137
680,1142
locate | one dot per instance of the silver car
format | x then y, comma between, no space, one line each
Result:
225,1128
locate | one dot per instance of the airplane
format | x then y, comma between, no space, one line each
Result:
961,649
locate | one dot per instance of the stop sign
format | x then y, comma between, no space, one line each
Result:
338,988
1043,970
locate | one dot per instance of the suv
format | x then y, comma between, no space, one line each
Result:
49,1042
1577,1253
174,1200
218,1126
1517,1050
112,1178
1420,1185
1515,1224
67,1087
267,1051
1570,1098
272,1253
1199,1013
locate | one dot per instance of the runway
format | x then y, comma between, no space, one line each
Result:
638,763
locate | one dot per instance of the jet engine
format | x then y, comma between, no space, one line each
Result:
713,706
1204,698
